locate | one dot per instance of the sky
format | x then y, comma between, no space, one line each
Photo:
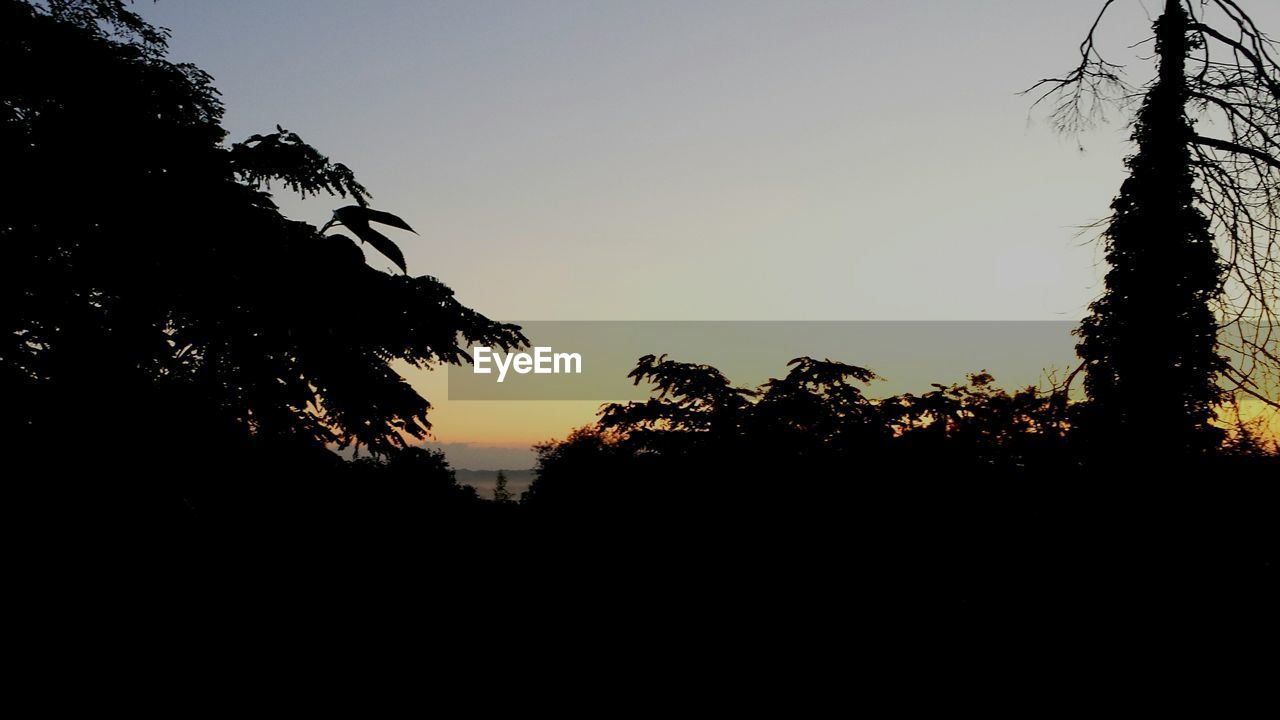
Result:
660,160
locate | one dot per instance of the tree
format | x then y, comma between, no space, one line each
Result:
153,294
590,468
981,422
501,494
693,405
1155,362
818,405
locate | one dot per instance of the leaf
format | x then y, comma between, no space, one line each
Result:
357,218
358,215
387,218
381,243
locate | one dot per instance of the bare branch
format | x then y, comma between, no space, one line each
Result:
1232,147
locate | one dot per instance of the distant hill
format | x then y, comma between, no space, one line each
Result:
485,480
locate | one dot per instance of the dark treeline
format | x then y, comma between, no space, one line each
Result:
814,433
967,491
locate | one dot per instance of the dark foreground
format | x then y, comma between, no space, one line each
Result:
943,549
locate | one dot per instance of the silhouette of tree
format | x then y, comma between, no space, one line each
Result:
500,492
819,406
411,482
588,469
1152,352
153,293
982,423
693,405
1150,343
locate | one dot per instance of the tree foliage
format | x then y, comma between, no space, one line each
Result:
820,408
1216,95
698,434
1150,343
152,290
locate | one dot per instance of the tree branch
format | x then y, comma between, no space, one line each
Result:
1259,66
1239,149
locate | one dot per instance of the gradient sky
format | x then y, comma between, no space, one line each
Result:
864,159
